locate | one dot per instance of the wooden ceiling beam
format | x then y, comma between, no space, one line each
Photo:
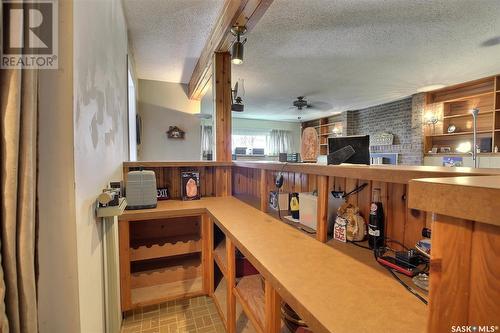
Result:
234,12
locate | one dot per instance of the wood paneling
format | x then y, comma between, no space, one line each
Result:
449,273
322,212
484,304
124,251
396,214
223,102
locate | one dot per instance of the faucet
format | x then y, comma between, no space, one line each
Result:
475,113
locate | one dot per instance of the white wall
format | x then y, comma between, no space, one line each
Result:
100,137
58,301
164,104
267,125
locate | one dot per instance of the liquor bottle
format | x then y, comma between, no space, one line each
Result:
376,235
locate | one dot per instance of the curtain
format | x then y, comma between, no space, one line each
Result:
279,141
18,298
207,140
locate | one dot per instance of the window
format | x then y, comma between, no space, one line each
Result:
249,141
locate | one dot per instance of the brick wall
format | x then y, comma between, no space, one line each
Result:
402,118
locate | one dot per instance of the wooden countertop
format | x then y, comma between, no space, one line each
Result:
165,164
332,291
385,173
470,198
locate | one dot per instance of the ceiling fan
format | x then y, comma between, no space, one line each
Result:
301,103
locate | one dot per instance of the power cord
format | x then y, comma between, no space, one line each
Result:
407,287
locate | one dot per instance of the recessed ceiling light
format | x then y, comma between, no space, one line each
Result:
431,87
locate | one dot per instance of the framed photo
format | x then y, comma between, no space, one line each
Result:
190,185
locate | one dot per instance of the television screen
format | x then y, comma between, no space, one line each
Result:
360,144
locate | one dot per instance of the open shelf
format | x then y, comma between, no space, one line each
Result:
220,256
164,247
466,115
459,133
167,291
220,299
159,271
249,291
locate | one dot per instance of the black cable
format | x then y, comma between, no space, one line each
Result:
387,239
359,245
407,287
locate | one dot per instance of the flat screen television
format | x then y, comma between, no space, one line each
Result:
360,144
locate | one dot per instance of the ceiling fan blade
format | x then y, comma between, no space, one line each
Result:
322,106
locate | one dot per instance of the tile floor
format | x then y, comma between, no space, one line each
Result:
195,315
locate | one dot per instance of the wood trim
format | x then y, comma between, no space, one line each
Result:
401,174
124,250
263,190
231,283
449,273
234,12
207,255
222,106
472,198
272,301
322,214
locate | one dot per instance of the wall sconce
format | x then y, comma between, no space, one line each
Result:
237,48
431,119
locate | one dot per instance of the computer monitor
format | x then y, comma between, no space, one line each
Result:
360,144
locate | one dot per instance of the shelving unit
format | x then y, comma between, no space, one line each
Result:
455,103
164,260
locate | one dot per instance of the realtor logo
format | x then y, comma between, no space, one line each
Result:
29,37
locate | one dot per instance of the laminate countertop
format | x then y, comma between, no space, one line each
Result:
471,198
331,290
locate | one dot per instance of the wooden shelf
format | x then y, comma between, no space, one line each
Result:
463,98
167,271
164,247
459,133
250,293
220,257
220,300
166,292
466,115
329,124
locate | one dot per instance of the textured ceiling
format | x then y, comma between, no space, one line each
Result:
168,35
347,54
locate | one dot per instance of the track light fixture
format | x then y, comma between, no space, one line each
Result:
237,48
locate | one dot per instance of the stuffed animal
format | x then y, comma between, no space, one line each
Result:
356,227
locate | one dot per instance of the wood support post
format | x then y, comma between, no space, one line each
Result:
231,284
263,190
207,255
124,248
449,273
223,101
272,309
322,214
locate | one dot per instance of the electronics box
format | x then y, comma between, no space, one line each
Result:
141,189
308,204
